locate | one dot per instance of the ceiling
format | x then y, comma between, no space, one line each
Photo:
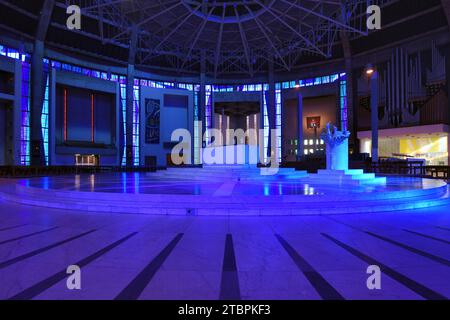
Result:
222,38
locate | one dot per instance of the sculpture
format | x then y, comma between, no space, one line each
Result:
336,147
334,137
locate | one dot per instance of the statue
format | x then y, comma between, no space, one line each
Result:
333,136
337,172
336,147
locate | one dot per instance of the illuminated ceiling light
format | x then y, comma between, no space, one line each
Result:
369,70
219,12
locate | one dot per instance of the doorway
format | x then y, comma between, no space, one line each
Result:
91,160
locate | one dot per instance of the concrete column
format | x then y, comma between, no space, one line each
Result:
202,106
224,127
37,98
130,96
260,128
300,145
129,115
447,72
271,106
17,114
374,114
349,90
350,108
52,118
354,103
448,149
37,157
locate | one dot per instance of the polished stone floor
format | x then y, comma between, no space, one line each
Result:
131,256
226,192
186,184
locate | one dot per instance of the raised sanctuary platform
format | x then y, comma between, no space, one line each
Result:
223,191
348,177
338,172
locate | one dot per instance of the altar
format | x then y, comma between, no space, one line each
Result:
238,154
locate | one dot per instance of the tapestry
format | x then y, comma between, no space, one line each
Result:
152,121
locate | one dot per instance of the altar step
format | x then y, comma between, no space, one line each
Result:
239,205
352,177
226,172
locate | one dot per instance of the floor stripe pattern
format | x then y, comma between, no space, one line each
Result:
239,275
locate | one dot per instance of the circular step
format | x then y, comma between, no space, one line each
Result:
218,195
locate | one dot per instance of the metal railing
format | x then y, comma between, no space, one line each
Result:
38,171
411,168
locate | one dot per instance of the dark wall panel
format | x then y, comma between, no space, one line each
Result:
2,135
176,101
79,120
84,123
59,115
104,119
6,82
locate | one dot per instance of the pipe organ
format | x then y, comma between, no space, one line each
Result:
436,74
406,82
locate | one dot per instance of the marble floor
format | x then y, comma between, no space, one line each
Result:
131,256
204,182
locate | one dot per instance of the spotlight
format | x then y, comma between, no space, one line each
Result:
370,70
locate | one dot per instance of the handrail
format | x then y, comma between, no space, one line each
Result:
34,171
410,168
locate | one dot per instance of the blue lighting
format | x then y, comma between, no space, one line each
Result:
45,120
136,123
25,102
195,88
266,189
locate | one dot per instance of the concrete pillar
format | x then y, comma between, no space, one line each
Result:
354,104
37,157
202,102
447,72
270,99
224,127
349,90
17,114
260,128
129,115
129,154
350,108
448,149
300,145
374,114
202,107
37,98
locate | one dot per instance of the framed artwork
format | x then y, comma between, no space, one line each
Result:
313,122
152,121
